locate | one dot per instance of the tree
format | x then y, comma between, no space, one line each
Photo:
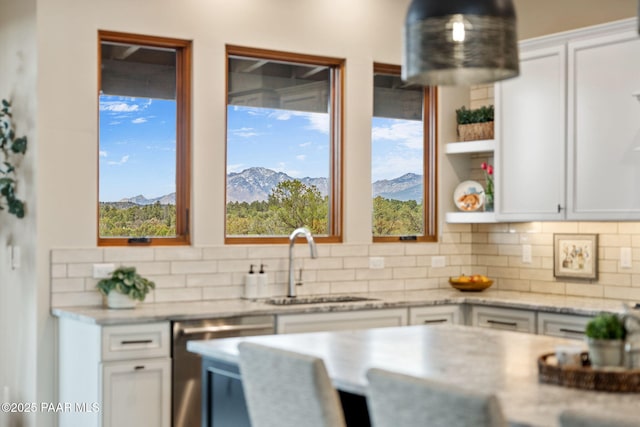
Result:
296,205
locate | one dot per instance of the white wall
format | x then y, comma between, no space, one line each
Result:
18,292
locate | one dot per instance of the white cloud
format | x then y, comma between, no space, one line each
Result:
245,132
139,120
319,122
118,106
236,168
407,133
103,153
301,157
305,144
395,165
280,115
124,159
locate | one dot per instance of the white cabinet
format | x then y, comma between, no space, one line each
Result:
340,321
503,318
124,369
530,153
604,127
436,314
562,325
574,95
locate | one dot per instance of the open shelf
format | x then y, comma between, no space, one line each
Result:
481,146
470,217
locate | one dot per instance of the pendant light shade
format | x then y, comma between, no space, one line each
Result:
460,42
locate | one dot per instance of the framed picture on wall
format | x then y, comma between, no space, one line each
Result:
575,256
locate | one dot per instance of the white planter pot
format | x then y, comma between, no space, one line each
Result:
606,352
118,300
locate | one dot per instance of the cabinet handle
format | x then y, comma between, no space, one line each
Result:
138,368
225,328
129,342
571,331
499,322
430,321
559,208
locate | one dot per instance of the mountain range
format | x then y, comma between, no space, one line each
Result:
255,184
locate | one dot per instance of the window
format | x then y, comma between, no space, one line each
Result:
144,127
283,146
403,158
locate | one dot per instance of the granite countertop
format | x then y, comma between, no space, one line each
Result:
152,312
499,362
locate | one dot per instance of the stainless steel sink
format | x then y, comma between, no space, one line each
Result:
316,300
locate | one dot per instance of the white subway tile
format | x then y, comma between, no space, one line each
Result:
183,294
128,255
206,280
73,299
225,252
192,267
222,292
178,254
349,250
75,284
58,270
79,270
76,255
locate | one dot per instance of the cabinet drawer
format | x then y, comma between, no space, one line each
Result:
341,321
434,315
504,318
136,341
562,325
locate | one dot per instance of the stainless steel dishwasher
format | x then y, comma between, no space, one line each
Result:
187,366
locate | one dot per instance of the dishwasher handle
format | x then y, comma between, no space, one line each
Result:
225,328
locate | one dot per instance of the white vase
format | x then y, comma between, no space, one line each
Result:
606,352
118,300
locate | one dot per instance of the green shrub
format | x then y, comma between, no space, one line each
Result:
606,326
466,116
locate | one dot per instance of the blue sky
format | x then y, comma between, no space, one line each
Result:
137,145
293,142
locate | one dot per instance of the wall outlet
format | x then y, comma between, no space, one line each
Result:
376,262
526,254
625,258
438,262
102,271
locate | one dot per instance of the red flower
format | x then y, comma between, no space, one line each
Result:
483,165
489,169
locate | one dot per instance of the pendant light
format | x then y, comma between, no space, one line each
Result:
460,42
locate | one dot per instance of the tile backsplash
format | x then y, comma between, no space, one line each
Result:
217,272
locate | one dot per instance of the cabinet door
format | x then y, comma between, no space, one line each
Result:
316,322
436,314
503,318
562,325
136,393
530,150
604,128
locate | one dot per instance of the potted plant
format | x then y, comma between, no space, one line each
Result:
605,336
10,146
475,124
125,288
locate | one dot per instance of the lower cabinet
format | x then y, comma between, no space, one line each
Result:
562,325
436,314
340,321
503,318
115,376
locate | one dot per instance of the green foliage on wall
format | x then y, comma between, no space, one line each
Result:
10,146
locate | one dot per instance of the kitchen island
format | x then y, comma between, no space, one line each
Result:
499,362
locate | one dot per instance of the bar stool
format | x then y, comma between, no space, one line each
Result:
398,400
575,418
287,389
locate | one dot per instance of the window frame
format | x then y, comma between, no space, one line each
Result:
336,112
183,49
430,161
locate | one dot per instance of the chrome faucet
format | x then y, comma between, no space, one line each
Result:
291,293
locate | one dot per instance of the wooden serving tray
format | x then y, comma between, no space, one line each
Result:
587,378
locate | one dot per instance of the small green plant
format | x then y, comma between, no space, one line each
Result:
465,116
9,146
606,326
126,281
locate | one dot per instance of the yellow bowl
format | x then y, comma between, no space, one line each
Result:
469,286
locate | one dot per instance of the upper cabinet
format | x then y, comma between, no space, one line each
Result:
603,167
573,96
530,155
